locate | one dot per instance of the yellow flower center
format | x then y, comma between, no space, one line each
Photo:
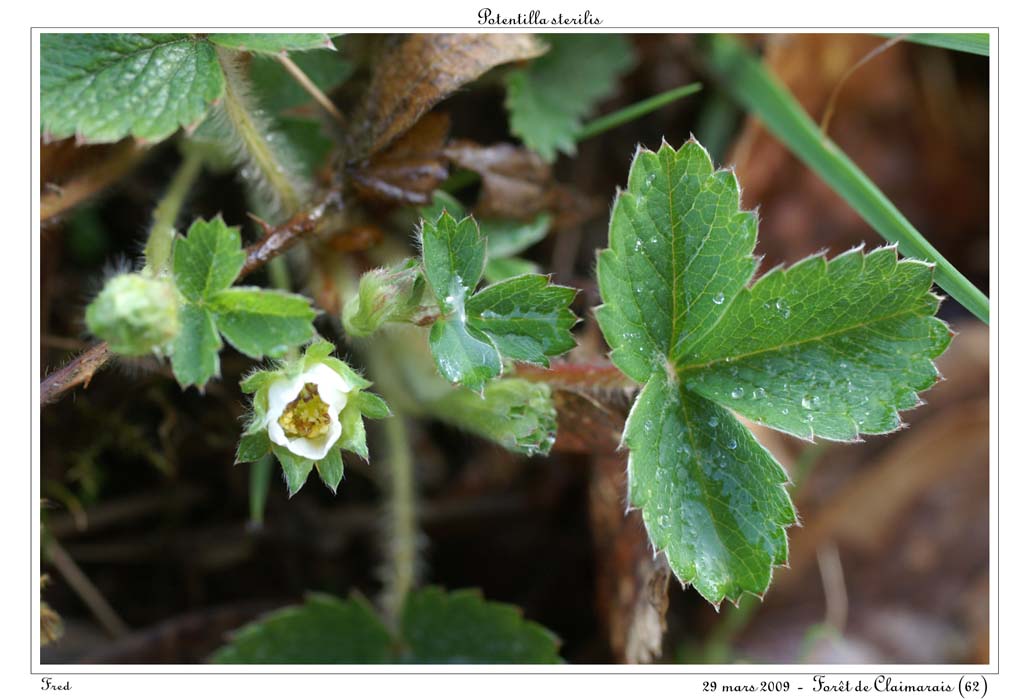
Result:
306,415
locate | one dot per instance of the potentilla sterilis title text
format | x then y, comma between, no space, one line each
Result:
536,18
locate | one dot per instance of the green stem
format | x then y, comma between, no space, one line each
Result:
400,571
260,481
978,44
634,111
253,133
278,274
745,78
403,531
162,231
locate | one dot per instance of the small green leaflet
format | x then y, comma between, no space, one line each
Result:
257,322
103,87
827,348
324,630
272,43
523,318
504,238
548,100
328,630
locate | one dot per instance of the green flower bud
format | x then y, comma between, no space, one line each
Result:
515,413
136,315
389,294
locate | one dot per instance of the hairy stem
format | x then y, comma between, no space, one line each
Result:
254,134
401,570
162,232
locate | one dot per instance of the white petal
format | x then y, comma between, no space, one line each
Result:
332,389
276,434
328,382
280,394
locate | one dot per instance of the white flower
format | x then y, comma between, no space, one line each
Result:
303,412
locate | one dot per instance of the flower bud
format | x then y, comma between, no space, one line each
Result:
390,294
136,315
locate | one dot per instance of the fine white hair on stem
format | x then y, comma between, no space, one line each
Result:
269,165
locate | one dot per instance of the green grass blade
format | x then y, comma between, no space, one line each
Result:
746,80
634,111
978,44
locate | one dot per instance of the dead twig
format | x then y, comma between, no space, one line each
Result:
277,240
85,589
78,371
124,158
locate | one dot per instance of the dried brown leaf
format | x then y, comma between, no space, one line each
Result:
410,169
632,584
411,73
516,183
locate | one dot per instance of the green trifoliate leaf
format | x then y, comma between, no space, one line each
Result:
548,100
104,87
515,413
477,631
195,351
832,348
257,322
294,468
324,630
436,627
273,43
526,317
136,314
208,260
262,322
827,348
